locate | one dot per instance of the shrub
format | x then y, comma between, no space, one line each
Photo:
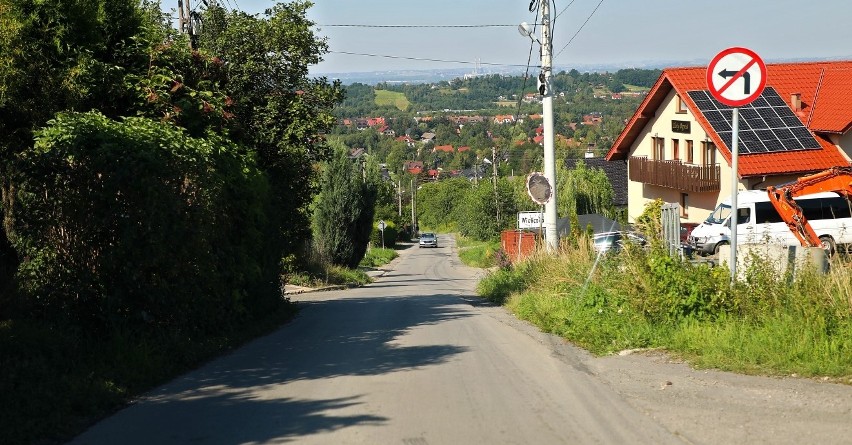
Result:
134,223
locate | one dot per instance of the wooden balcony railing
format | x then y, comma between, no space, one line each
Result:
675,174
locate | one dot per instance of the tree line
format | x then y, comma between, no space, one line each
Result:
148,184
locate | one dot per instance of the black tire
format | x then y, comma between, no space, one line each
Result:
716,247
828,245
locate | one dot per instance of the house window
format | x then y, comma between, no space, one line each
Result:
689,154
681,105
659,149
675,149
708,153
684,205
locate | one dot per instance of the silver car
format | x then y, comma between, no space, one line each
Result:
613,241
428,239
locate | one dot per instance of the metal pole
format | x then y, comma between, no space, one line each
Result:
734,189
547,114
399,194
411,184
494,176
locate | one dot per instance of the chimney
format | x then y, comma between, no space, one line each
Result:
796,102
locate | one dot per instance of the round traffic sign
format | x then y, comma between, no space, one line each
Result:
736,76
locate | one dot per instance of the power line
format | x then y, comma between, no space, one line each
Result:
416,26
423,59
563,10
581,28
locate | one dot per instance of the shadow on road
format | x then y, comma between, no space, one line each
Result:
253,395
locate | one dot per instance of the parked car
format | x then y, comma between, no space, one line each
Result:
614,241
428,239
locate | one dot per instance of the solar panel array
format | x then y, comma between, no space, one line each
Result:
766,125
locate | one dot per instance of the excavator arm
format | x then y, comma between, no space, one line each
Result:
835,179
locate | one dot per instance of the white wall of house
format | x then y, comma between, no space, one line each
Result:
844,141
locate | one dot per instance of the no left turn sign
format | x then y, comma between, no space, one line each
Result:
736,76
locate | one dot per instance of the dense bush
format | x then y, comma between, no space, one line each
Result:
134,223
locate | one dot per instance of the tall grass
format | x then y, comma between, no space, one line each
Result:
768,323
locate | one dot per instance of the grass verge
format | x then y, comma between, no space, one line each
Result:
477,253
376,257
767,324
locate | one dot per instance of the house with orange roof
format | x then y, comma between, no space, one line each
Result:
504,119
413,167
443,148
407,139
678,142
463,149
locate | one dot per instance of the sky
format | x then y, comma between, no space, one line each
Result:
620,33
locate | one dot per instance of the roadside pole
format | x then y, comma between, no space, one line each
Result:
735,77
735,214
547,115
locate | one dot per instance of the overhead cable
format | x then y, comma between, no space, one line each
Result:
416,26
424,59
581,28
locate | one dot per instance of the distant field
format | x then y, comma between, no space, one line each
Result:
506,103
635,88
385,97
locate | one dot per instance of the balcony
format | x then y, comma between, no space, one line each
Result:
675,174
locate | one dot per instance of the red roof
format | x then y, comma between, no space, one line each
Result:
826,108
444,148
463,148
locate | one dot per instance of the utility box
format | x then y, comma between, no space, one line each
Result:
518,244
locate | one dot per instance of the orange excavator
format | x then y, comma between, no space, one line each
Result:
835,179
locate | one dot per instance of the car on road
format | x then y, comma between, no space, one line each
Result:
614,241
428,239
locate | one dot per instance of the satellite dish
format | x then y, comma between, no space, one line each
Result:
524,29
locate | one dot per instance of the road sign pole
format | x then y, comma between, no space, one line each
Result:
735,77
734,189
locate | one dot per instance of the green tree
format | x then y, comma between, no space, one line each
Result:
278,110
583,190
438,202
343,215
482,214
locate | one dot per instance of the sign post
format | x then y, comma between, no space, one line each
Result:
382,226
735,77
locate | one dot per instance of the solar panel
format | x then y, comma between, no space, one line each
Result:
767,125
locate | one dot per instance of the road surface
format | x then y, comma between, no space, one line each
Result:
416,359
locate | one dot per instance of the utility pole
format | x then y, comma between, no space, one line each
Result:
494,180
399,194
547,114
181,17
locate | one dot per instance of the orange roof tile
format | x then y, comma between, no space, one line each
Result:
826,108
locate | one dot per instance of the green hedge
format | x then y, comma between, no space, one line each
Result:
133,223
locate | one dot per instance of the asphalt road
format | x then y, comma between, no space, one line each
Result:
416,359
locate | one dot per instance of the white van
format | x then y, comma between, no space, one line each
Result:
758,222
